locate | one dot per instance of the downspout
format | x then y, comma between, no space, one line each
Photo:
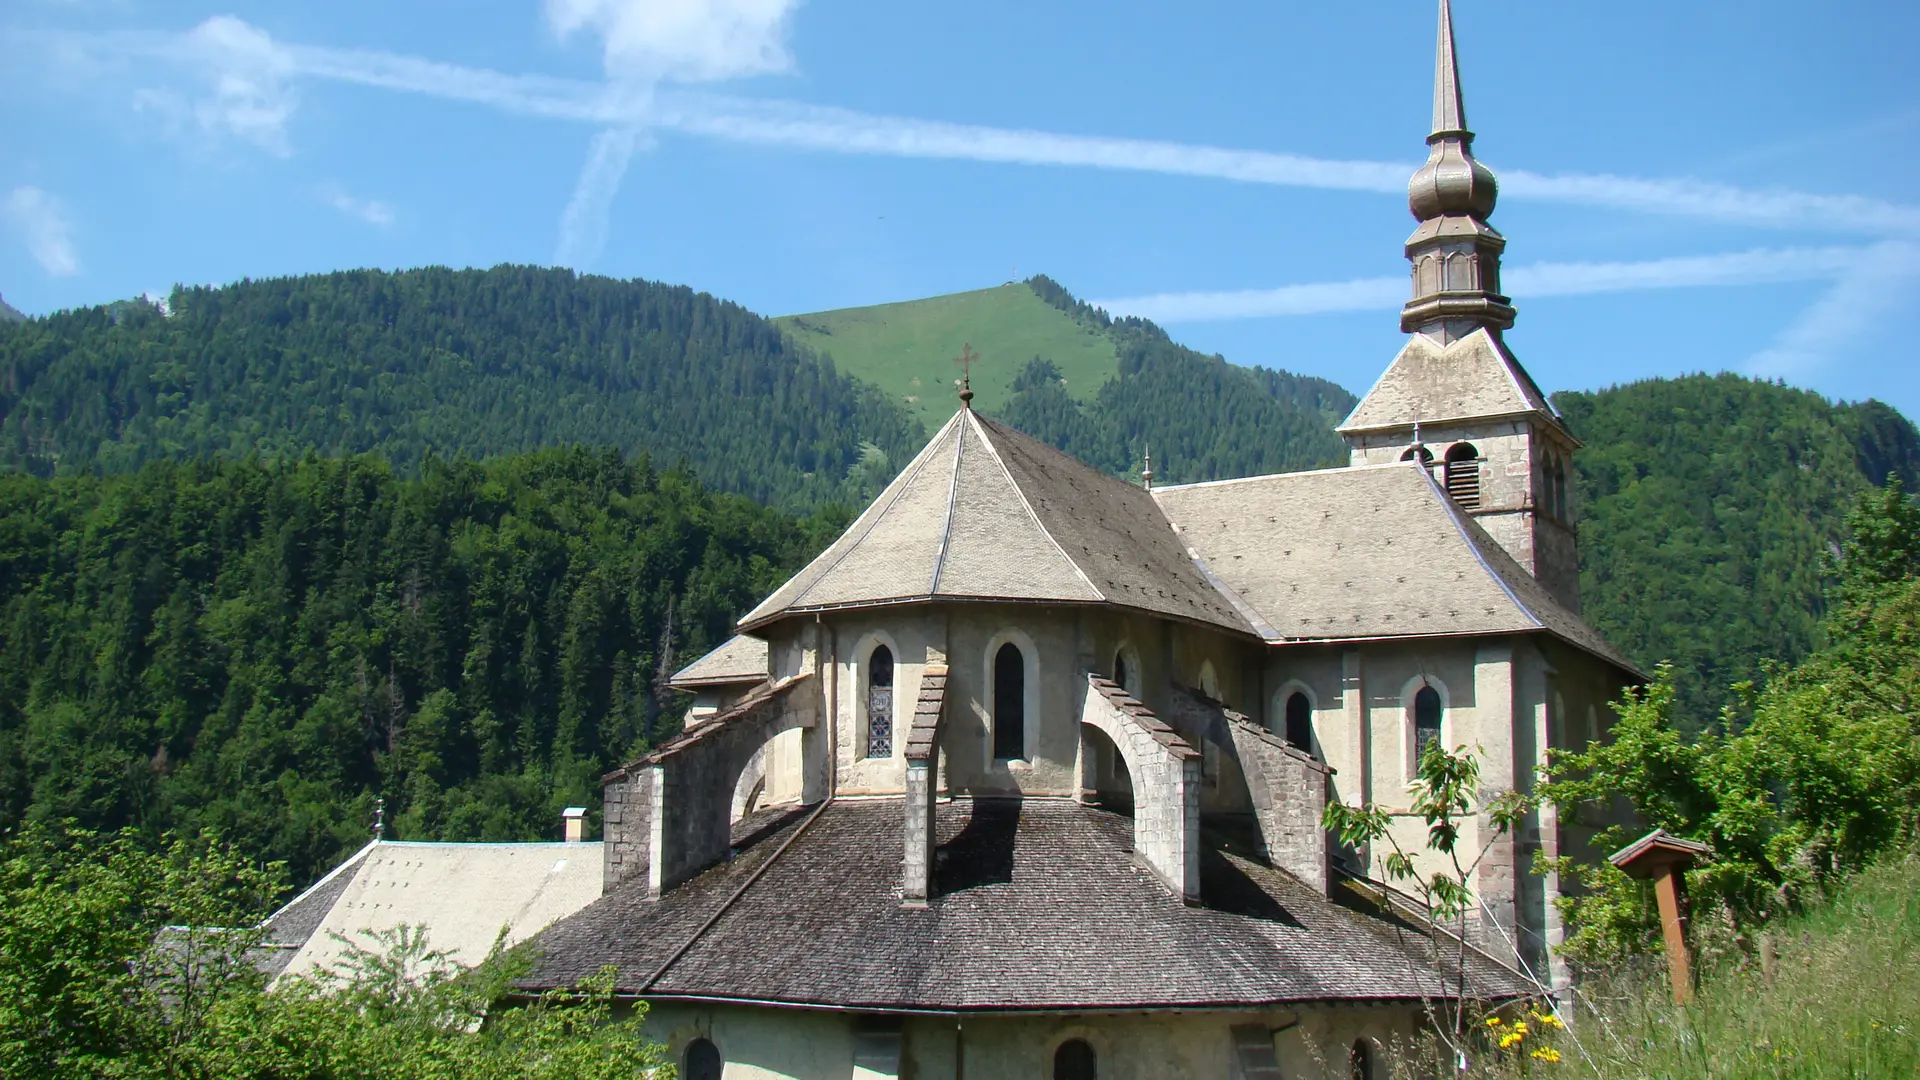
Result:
832,694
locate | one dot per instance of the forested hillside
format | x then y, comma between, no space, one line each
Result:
1203,418
449,361
261,648
1710,508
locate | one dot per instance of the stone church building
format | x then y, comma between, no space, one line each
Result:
1023,776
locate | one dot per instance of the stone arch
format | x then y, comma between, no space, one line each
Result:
1165,774
861,663
672,809
1105,778
1030,696
1409,703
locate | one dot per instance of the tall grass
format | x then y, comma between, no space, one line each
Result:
1842,1000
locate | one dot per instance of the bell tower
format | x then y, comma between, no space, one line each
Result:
1455,398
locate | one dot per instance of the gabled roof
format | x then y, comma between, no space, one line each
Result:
1428,383
1038,905
464,894
741,659
986,513
1368,552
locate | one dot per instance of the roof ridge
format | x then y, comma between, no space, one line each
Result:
946,529
1453,512
1032,514
899,488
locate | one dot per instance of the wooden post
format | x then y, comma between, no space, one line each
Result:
1664,857
1669,889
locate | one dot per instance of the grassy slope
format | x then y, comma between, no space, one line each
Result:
907,349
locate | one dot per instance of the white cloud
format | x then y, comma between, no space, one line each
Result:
371,211
583,226
685,40
1539,279
1875,286
40,219
249,94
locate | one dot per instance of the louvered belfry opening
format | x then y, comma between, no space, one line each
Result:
880,703
1463,475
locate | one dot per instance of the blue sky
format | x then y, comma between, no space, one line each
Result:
1712,185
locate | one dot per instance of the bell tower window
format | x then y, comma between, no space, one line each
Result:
1463,475
880,703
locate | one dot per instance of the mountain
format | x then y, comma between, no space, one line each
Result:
1104,389
448,363
9,313
1710,509
908,349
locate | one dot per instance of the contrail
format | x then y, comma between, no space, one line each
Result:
1758,266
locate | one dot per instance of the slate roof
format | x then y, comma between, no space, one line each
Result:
986,513
463,893
1038,905
740,659
1366,552
1473,377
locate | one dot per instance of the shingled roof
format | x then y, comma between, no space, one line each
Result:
1038,905
1367,552
741,659
1472,377
986,513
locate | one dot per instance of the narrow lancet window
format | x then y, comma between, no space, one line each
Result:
880,703
1300,722
1074,1060
1463,475
1426,721
1009,703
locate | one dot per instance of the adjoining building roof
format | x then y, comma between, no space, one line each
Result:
1038,906
740,659
1428,382
1373,551
986,513
464,894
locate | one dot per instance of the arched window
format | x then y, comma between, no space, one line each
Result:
1120,671
1300,721
1560,504
1360,1061
880,703
1074,1060
1426,721
1463,475
1009,703
702,1061
1425,455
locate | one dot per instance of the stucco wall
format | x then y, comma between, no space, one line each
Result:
763,1043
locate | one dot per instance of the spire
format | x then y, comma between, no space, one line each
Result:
1449,113
1146,473
1455,253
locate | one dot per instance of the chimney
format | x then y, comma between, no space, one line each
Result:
574,818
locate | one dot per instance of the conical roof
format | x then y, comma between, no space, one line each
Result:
985,513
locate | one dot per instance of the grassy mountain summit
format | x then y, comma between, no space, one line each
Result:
907,349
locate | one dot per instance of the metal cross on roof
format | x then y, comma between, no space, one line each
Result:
965,360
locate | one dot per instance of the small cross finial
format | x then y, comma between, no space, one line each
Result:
965,360
380,818
1146,473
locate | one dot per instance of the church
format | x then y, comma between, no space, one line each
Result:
1024,775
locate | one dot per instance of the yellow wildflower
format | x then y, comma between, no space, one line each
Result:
1494,1021
1508,1040
1520,1027
1547,1054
